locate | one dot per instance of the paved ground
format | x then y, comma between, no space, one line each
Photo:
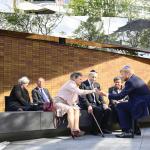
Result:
87,142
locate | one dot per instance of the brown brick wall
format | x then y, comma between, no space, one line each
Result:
54,62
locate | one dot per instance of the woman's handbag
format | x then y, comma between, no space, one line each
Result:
49,106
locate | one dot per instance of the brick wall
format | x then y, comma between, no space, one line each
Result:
39,58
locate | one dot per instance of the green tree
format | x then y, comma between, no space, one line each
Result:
91,30
139,39
144,40
32,23
99,7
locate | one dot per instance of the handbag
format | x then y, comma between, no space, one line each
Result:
49,106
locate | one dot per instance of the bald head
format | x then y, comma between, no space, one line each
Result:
41,82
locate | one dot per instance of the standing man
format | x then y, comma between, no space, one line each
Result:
137,105
95,103
40,94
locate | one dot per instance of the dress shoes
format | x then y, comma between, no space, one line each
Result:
125,135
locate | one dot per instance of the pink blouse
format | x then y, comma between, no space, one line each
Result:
70,92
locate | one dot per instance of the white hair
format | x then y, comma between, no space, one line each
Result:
24,80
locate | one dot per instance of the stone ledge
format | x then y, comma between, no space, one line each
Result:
30,124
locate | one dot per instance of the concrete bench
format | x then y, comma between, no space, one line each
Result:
28,125
39,124
16,123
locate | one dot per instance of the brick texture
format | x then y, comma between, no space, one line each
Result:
54,62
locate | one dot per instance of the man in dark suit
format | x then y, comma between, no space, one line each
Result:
41,95
116,89
19,99
138,103
95,103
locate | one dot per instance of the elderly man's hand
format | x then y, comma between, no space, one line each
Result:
105,106
116,102
90,109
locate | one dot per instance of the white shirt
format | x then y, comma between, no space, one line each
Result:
43,94
92,87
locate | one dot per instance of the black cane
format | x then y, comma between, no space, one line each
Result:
97,124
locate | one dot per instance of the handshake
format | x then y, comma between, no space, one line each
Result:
100,92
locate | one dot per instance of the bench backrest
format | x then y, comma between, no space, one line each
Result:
7,100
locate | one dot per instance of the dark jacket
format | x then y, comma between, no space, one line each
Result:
114,90
19,97
139,96
88,99
37,97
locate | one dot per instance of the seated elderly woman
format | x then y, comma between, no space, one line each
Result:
67,99
19,96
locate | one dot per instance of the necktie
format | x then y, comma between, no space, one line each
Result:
92,87
44,96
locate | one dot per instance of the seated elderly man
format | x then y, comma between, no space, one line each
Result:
137,105
116,89
19,96
93,102
40,94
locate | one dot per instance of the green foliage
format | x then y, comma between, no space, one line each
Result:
139,39
144,40
91,30
18,21
105,8
32,23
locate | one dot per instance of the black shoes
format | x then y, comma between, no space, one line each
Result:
125,135
129,134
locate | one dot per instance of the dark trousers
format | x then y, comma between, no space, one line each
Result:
125,116
114,116
102,116
29,107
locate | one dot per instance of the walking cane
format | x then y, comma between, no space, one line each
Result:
97,124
